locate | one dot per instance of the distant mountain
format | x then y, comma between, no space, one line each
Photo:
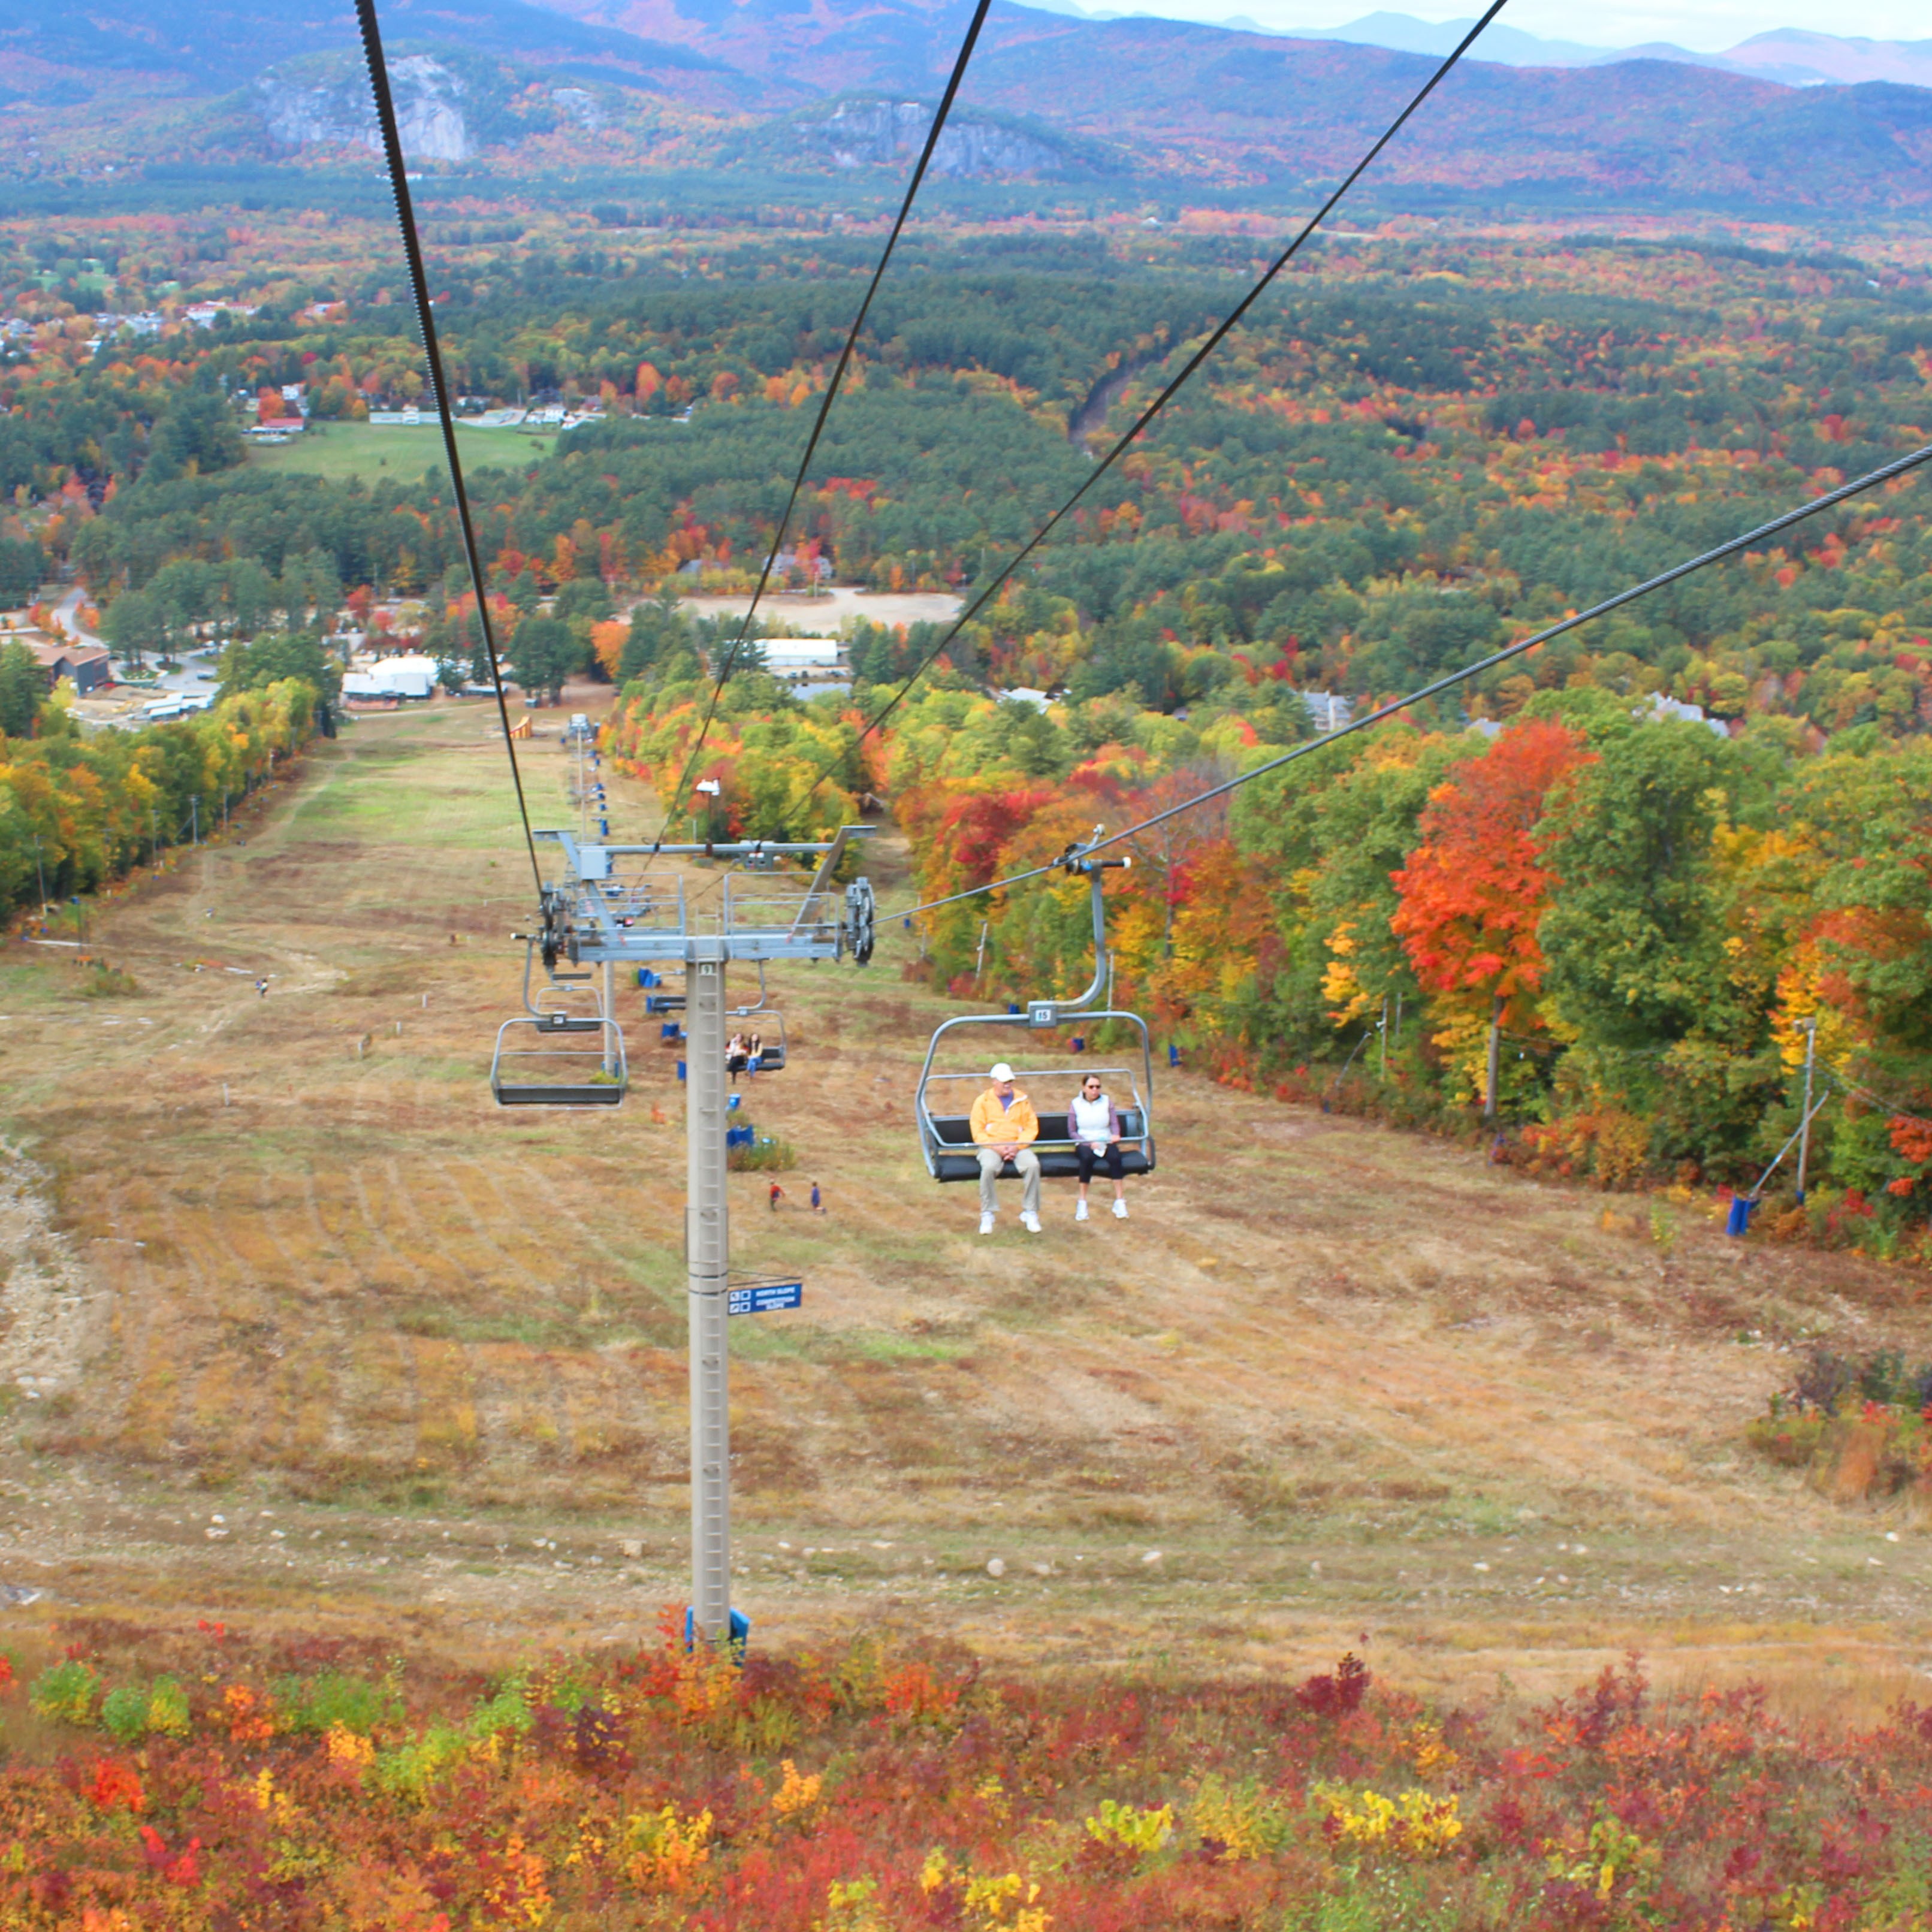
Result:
833,86
1404,34
1828,57
1790,56
189,47
1654,133
831,45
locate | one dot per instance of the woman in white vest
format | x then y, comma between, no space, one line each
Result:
1093,1126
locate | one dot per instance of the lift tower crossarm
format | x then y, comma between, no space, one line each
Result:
600,913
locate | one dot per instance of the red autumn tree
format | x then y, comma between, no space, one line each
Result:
1474,890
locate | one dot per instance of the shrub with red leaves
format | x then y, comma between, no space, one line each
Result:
1336,1693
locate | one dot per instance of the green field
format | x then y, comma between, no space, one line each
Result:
339,450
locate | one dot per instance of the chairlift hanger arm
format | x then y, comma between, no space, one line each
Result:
743,1013
1079,860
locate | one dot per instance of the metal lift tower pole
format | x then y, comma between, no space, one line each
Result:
601,914
707,1240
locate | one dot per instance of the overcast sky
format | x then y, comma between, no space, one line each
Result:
1706,25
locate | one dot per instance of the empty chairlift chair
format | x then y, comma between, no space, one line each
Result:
554,1059
555,1054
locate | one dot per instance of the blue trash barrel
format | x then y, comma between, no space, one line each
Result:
1011,1008
731,1105
645,977
1079,1043
1739,1221
668,1030
1173,1055
680,1069
740,1628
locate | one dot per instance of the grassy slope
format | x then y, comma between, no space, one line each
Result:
1327,1372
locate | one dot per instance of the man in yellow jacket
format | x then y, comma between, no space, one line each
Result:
1004,1128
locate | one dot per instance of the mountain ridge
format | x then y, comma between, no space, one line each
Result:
1136,99
1791,56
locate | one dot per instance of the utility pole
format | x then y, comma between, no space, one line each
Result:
1495,1049
1810,1026
40,875
194,816
1384,1033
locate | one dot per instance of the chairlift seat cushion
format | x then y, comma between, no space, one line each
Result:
1058,1159
586,1093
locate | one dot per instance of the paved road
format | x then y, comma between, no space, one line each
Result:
67,615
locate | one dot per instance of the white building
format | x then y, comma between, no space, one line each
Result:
393,677
800,653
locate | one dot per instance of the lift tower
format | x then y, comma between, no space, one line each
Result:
610,908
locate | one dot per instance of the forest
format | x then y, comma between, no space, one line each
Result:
1379,482
1646,856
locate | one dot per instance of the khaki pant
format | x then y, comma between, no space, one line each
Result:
1028,1163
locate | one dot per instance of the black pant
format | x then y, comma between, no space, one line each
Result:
1087,1154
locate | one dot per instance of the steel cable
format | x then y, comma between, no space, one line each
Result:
399,185
1887,473
1214,341
832,388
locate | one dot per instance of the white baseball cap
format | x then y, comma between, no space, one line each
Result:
1001,1072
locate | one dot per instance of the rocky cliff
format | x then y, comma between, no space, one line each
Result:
429,110
873,133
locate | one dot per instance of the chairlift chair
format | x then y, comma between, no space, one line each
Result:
944,1100
554,1054
548,1060
945,1124
771,1057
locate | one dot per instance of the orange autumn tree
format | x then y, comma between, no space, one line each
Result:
1474,889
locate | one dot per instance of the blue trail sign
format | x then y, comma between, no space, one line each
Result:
764,1298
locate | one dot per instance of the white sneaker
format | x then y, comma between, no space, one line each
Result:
1080,1211
1031,1223
986,1223
1120,1211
